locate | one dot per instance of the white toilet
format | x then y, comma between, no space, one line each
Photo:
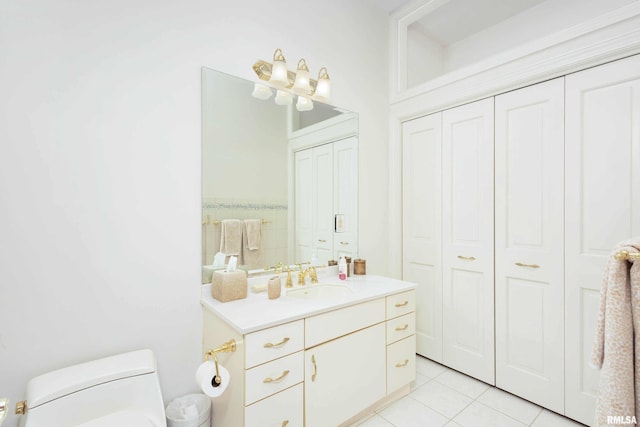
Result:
121,390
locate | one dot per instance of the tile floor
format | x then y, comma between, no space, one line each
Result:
443,397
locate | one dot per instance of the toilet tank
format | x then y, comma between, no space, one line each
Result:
124,387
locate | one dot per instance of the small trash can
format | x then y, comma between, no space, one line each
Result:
192,410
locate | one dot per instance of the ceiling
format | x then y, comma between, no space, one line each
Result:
457,19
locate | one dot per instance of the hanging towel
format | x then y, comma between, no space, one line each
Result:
616,351
252,243
231,237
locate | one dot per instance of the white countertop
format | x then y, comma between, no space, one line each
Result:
257,311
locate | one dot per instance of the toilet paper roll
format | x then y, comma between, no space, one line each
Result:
205,378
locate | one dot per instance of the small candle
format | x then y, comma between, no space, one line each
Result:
359,266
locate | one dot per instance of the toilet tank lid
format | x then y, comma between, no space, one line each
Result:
55,384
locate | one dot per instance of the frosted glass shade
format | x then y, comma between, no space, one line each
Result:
279,76
304,104
302,85
261,91
323,90
283,98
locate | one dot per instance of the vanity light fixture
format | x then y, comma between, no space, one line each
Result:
289,83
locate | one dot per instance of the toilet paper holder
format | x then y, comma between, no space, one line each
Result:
227,347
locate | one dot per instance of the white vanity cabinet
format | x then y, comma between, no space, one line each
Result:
344,362
329,368
401,340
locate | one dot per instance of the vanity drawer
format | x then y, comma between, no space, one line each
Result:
400,304
272,343
401,363
282,409
272,377
327,326
401,327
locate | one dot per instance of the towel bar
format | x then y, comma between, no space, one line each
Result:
627,256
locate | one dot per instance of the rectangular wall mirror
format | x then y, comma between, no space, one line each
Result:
295,172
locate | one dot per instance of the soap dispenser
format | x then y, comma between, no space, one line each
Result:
342,268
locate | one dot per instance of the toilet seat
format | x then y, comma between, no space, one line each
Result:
120,419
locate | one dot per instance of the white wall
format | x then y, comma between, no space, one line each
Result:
100,164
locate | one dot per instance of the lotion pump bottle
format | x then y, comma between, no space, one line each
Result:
342,268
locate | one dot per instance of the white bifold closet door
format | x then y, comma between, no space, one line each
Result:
602,205
529,246
422,227
467,239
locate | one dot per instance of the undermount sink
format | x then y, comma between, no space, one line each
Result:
325,290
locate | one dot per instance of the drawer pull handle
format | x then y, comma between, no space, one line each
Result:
278,344
315,368
275,380
402,364
402,304
344,243
321,240
519,264
284,423
467,258
402,328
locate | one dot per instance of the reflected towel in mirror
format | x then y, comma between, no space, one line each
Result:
231,237
252,243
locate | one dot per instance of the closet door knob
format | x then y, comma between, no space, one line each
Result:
467,258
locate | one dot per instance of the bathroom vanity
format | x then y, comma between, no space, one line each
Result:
321,354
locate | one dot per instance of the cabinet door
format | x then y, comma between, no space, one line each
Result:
467,239
344,376
422,227
322,203
602,205
345,197
303,166
529,247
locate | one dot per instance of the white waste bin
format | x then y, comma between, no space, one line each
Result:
192,410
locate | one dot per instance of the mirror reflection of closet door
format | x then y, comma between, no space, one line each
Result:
314,204
322,203
345,196
303,204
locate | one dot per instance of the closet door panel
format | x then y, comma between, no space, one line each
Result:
303,166
602,205
529,280
345,196
467,240
323,203
422,228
